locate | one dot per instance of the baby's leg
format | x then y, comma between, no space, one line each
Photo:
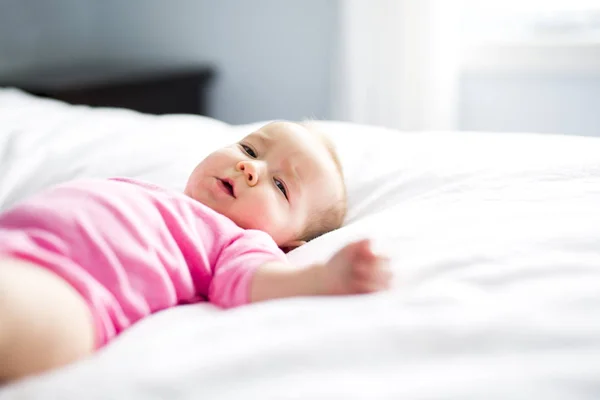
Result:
44,322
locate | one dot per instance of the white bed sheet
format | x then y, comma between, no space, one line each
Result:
494,239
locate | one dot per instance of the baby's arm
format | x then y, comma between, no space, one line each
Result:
354,269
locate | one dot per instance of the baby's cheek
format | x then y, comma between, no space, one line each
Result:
262,215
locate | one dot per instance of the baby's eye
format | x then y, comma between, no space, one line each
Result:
248,150
281,187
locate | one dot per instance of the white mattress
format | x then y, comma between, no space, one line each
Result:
494,239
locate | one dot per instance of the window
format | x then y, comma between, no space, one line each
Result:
531,35
541,21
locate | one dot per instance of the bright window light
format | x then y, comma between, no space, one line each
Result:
550,21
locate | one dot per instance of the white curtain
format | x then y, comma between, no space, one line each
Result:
398,64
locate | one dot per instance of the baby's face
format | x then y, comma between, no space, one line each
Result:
272,180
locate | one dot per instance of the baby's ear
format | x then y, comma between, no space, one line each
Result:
286,248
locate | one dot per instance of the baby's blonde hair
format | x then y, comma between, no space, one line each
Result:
332,216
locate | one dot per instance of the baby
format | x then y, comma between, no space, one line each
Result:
83,261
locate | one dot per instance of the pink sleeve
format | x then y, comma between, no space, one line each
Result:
236,265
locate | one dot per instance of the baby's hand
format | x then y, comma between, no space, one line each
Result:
356,269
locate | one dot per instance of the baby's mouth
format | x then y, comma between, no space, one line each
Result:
228,185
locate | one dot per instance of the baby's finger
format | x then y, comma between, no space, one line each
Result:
354,250
372,265
376,271
383,274
379,281
383,261
365,252
384,277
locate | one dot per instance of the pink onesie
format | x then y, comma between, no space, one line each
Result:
131,248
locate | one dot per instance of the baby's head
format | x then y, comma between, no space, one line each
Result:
284,179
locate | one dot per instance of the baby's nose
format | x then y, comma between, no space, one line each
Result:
250,171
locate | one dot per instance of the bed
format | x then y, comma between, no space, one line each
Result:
494,240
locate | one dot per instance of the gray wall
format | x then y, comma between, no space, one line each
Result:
40,32
273,57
